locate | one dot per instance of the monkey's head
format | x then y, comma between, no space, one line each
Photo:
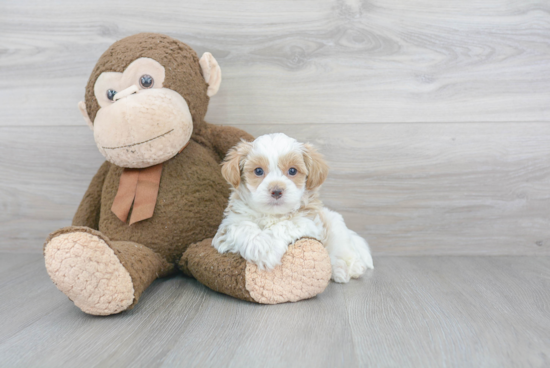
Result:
146,95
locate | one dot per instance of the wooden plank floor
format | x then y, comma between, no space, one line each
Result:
425,311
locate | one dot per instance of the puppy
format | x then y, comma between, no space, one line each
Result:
275,201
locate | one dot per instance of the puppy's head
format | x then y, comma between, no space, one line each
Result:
274,172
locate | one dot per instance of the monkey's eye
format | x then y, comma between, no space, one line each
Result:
292,171
258,171
146,81
111,94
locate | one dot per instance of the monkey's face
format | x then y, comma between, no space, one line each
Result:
139,123
145,96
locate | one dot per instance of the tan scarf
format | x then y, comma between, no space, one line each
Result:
140,187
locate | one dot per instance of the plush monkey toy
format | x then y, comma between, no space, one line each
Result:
153,206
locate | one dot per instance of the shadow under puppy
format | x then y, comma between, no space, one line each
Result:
275,201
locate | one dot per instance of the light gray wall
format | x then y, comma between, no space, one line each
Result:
434,115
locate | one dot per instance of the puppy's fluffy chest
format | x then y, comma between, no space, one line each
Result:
264,221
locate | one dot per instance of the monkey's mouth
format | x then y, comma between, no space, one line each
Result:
137,144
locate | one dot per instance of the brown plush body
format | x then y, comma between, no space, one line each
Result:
191,199
103,263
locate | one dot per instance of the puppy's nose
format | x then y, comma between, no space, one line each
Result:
277,193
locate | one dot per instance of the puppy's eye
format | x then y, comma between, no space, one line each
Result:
146,81
258,171
292,171
111,94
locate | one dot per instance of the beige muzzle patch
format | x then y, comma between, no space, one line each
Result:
144,128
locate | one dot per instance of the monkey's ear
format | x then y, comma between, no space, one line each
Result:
212,73
316,165
84,112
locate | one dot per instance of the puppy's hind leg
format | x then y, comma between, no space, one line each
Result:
362,249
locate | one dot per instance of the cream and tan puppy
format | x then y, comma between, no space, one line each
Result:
275,201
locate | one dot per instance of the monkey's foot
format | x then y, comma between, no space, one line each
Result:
304,272
84,267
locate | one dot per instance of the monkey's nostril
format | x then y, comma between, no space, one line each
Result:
277,194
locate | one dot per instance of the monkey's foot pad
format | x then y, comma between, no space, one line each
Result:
304,272
83,266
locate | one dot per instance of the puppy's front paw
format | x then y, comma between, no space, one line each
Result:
307,228
219,240
265,251
224,242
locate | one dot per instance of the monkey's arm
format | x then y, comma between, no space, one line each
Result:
87,213
223,138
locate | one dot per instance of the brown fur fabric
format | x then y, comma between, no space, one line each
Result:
143,265
191,199
224,273
88,211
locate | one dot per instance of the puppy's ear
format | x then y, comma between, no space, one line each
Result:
232,164
316,165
